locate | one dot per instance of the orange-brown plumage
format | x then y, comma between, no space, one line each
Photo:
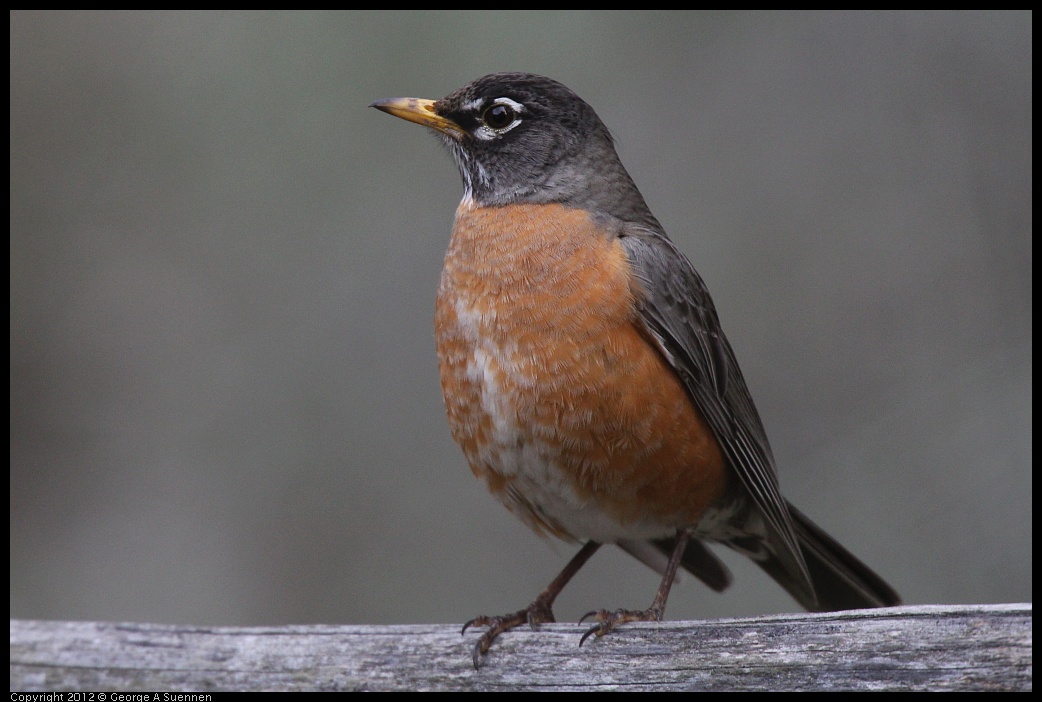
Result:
539,346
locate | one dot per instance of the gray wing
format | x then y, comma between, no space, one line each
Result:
678,314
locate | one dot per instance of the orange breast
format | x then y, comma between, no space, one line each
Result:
559,403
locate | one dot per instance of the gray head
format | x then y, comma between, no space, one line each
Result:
523,138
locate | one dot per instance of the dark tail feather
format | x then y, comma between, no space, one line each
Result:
840,580
700,562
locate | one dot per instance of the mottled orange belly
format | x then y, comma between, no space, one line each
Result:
559,402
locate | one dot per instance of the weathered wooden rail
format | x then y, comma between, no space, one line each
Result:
978,647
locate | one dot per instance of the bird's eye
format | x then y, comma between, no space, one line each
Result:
498,116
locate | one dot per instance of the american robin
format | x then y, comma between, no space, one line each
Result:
585,373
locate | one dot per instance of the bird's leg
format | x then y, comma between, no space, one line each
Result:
606,620
537,613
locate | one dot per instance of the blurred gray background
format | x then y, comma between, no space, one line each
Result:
224,395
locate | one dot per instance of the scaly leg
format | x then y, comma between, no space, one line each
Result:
537,613
606,621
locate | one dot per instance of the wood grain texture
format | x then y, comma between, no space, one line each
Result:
972,647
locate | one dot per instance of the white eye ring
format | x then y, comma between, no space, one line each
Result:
487,133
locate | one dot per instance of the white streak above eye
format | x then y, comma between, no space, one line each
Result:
518,107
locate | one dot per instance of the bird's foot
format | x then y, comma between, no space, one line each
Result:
539,612
607,620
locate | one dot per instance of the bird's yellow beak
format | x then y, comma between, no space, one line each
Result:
421,112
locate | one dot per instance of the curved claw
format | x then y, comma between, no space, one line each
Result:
535,614
496,626
589,614
480,649
607,621
598,629
476,621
